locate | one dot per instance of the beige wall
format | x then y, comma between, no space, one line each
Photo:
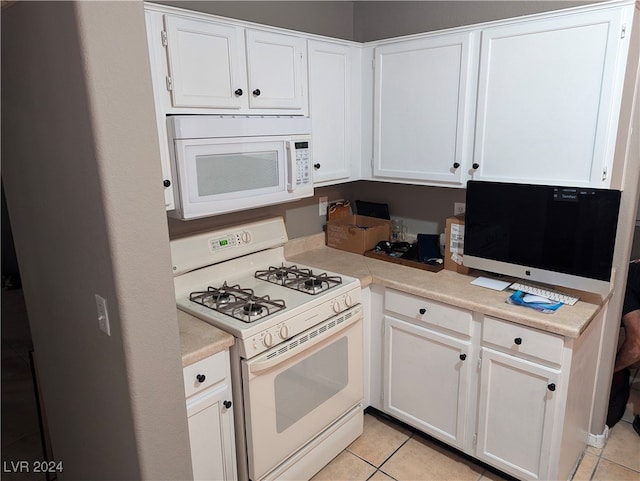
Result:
330,18
83,184
376,20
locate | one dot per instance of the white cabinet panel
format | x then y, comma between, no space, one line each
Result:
548,97
426,379
276,70
422,107
330,104
204,63
516,412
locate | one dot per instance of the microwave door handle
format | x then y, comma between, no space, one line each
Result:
292,167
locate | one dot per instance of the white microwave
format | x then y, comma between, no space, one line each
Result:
225,164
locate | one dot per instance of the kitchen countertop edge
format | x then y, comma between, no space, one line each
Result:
444,286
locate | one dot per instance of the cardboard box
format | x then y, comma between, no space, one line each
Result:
357,233
454,244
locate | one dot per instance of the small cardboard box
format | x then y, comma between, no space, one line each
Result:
454,244
357,233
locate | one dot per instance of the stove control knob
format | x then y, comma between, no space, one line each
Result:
284,332
267,340
348,301
246,237
336,306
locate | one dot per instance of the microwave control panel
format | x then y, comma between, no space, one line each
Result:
303,163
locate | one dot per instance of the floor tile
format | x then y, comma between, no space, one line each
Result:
608,471
623,446
586,468
345,467
419,459
380,439
380,476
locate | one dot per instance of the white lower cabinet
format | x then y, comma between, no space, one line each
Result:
426,368
515,414
426,379
512,396
210,417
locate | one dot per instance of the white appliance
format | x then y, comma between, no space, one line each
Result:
297,363
224,164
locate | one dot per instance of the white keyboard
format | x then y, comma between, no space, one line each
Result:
544,292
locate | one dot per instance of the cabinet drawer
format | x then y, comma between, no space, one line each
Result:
515,338
428,312
205,373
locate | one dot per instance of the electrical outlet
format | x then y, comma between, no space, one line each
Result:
103,315
459,208
323,204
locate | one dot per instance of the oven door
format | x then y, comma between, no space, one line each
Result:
297,389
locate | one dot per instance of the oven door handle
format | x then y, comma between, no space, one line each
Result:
258,366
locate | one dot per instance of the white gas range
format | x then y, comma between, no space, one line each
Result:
297,361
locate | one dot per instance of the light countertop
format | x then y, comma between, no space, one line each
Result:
444,286
199,340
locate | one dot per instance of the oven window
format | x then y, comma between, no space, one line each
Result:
309,383
227,173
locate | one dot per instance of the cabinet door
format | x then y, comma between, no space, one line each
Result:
330,110
211,435
205,63
547,97
158,61
516,413
422,108
276,70
426,379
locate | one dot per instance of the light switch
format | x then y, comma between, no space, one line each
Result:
103,315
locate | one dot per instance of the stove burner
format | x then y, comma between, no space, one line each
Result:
299,279
251,308
236,302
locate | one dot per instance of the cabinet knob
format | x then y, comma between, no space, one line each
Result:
423,311
256,93
201,377
551,387
518,340
227,404
463,356
456,165
316,166
166,182
475,166
238,92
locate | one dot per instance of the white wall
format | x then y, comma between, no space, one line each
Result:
83,184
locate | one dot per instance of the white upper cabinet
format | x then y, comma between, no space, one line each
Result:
331,108
548,98
423,104
276,67
205,64
211,66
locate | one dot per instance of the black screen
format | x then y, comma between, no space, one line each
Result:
570,230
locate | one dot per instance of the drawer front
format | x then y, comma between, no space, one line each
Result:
426,311
518,339
202,374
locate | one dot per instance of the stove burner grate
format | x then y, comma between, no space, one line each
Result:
236,302
299,279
